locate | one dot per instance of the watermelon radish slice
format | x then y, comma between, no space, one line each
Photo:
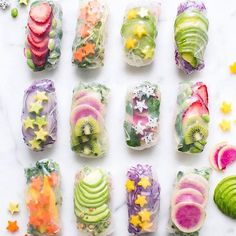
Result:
194,181
41,12
81,94
40,45
188,195
214,155
226,156
188,217
36,38
84,111
40,54
39,29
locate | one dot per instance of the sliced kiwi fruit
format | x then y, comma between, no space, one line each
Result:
86,126
195,133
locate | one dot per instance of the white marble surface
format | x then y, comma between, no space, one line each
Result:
15,77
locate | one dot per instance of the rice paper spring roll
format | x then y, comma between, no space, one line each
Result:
87,120
39,115
43,198
191,35
89,43
43,35
143,200
139,31
91,202
191,124
141,123
189,201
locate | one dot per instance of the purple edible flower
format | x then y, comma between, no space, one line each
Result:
191,4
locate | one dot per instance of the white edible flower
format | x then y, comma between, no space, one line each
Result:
140,105
139,128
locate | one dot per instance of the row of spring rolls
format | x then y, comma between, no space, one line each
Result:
92,200
87,119
138,31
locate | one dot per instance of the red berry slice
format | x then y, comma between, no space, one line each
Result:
41,12
39,29
38,45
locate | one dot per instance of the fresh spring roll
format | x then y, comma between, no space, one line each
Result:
88,132
191,124
188,203
39,115
43,198
91,202
44,34
141,123
139,31
89,43
191,35
143,200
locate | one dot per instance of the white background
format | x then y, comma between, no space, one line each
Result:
15,77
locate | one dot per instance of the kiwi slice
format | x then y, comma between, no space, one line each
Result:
86,126
195,133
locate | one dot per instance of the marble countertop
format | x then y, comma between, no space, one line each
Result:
16,77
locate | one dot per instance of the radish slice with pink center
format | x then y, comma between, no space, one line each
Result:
214,155
188,217
188,195
196,182
226,156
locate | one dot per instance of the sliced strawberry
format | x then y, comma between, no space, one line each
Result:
39,53
39,62
195,109
40,45
201,89
41,12
35,38
39,29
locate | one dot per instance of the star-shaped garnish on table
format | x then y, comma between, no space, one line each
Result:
226,107
225,125
233,68
140,105
25,2
35,144
139,128
41,96
36,107
145,215
135,220
12,226
143,12
148,137
144,182
132,14
130,185
141,200
140,31
41,135
28,123
13,207
131,43
41,121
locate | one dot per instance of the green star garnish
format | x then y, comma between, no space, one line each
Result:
148,53
41,96
35,144
25,2
41,121
41,135
28,123
36,107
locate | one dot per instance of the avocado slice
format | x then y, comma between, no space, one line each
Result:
96,218
227,201
232,204
94,189
89,211
93,179
92,195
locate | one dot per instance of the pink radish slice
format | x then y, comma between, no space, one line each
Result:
226,156
39,46
188,195
214,155
41,12
188,217
39,29
35,38
196,182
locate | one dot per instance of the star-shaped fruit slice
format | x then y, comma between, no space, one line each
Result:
135,220
233,68
141,200
28,123
226,107
41,135
41,121
140,31
225,125
41,96
131,43
12,226
132,14
35,144
145,215
13,207
144,182
36,107
129,185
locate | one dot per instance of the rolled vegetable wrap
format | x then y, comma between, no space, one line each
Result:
44,34
143,200
43,198
39,115
88,132
191,35
141,123
189,200
88,47
191,124
139,31
91,202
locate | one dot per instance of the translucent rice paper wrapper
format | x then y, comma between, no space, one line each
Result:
141,123
139,31
89,43
39,115
88,132
189,182
192,119
143,200
92,202
191,35
43,35
43,198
